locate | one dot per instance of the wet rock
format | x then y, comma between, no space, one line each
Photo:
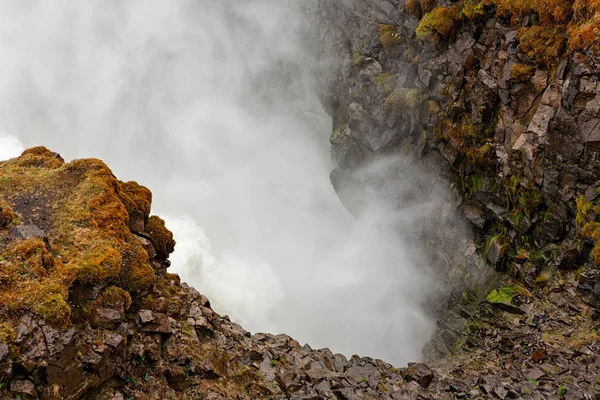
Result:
475,215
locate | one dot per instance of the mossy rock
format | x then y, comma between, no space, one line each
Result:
85,212
160,236
504,298
521,72
437,25
6,215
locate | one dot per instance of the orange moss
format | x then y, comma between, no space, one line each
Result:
413,7
436,25
543,45
587,214
6,215
114,297
136,198
388,36
160,236
521,72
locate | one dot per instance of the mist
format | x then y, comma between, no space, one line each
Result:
213,105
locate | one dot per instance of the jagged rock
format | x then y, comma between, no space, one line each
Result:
420,373
23,386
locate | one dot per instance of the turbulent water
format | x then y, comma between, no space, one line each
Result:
210,105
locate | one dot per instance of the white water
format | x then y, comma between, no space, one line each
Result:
195,99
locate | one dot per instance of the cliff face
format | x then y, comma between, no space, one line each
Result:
502,97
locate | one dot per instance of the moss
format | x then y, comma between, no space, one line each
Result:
472,9
6,215
136,199
521,72
137,273
437,25
114,297
53,308
403,99
101,262
388,36
505,295
413,7
161,237
544,45
587,215
385,82
7,333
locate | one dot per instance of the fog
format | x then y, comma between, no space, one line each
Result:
213,106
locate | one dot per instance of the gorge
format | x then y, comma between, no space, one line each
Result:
464,158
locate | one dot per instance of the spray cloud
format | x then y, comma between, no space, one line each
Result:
206,103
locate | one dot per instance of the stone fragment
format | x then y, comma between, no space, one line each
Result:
23,386
27,232
159,324
487,80
146,316
419,373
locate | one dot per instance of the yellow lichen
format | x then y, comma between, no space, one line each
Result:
521,72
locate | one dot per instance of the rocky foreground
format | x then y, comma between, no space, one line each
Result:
90,311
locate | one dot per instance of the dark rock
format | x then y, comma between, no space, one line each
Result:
419,373
23,386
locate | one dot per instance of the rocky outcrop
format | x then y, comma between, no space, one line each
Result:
89,310
500,99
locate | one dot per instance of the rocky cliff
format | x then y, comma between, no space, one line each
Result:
502,97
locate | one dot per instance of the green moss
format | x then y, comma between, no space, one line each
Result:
385,82
7,333
53,308
472,9
588,214
505,295
114,297
437,25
